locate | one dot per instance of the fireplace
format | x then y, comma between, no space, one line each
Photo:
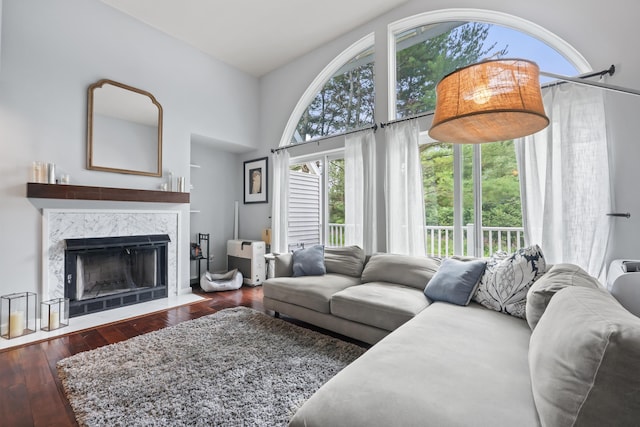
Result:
108,272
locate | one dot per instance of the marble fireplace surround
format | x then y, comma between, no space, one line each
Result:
61,224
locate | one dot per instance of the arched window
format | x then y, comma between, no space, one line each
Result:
425,47
472,199
425,54
344,103
474,208
340,99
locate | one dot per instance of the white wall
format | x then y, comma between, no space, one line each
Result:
601,32
213,195
51,52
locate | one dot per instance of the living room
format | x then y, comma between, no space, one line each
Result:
52,52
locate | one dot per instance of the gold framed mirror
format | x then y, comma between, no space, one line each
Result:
124,129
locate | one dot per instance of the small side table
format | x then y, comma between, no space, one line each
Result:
625,287
269,260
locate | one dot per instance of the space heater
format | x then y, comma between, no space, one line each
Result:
248,257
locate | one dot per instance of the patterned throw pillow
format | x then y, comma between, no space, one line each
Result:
507,279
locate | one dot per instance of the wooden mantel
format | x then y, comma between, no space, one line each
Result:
83,192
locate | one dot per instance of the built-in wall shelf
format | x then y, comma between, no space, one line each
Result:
84,192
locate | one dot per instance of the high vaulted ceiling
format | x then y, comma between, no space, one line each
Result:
256,36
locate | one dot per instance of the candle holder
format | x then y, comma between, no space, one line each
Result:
18,314
54,314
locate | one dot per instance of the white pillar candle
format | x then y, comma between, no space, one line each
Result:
54,320
16,324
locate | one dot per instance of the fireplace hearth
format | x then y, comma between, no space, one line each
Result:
108,272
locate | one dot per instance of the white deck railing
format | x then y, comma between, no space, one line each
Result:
336,235
439,238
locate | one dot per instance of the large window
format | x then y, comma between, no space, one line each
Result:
471,192
316,199
483,193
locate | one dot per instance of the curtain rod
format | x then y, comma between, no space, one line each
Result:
580,79
404,119
374,127
610,71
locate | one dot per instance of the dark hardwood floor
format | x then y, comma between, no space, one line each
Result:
30,391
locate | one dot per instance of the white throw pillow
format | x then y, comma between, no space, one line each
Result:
507,278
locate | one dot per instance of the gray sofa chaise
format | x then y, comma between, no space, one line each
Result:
572,362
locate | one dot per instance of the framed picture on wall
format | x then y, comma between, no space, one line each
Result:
256,173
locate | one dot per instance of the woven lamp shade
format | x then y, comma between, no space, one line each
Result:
495,100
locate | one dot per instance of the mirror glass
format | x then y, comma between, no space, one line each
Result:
124,130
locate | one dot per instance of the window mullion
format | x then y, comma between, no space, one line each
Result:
324,211
458,236
477,201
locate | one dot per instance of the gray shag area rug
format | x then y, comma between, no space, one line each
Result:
237,367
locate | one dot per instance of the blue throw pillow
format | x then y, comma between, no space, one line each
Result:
455,281
309,261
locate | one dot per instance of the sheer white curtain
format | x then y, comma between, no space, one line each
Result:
359,190
280,203
564,179
403,189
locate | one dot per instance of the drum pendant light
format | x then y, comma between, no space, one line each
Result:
494,100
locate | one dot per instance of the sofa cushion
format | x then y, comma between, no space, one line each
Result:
347,260
383,305
455,281
583,358
414,271
283,265
309,261
507,279
448,366
555,279
313,292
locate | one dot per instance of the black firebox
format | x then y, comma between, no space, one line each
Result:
102,273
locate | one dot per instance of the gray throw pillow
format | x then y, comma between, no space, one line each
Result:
309,261
455,281
507,279
414,271
557,278
347,260
583,361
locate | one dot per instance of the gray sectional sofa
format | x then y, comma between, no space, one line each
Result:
365,304
573,362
